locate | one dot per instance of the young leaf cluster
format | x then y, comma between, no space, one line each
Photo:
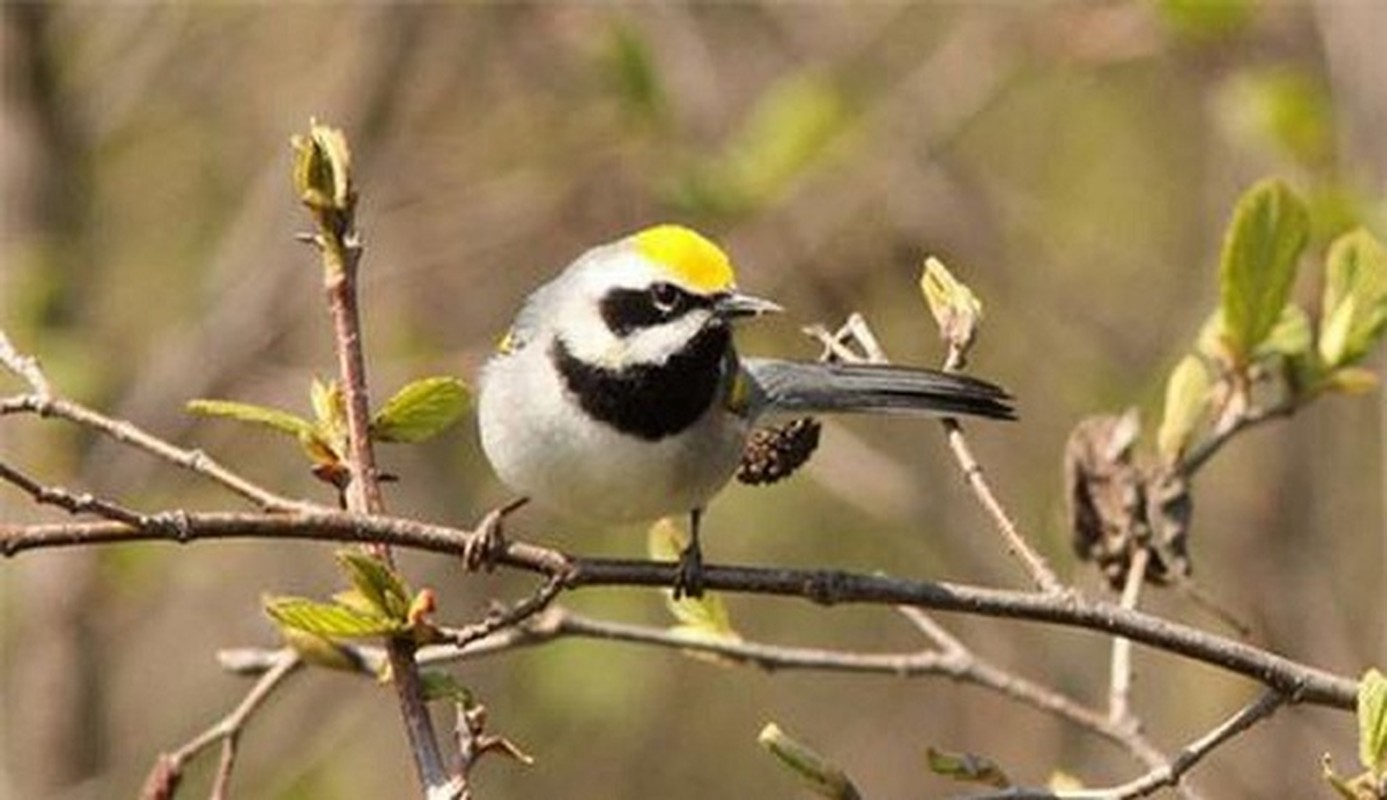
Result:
1371,784
1260,337
378,604
419,411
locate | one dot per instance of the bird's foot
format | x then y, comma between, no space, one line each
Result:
488,542
688,576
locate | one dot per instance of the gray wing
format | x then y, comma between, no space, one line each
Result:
795,386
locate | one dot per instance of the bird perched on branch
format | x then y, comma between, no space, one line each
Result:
618,394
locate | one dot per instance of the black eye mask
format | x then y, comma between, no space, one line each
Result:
629,310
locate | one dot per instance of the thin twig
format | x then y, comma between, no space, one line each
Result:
1120,677
977,670
227,730
1165,776
70,502
1247,418
196,461
340,248
530,606
857,330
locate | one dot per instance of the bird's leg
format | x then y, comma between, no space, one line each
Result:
489,541
688,579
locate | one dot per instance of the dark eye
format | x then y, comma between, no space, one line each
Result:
665,296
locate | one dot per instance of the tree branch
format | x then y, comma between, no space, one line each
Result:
164,778
1300,682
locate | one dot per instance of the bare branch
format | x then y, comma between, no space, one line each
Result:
1120,678
196,461
168,769
1302,683
1165,776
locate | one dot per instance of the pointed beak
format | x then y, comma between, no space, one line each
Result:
735,305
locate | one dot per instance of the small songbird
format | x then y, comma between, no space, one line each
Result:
618,395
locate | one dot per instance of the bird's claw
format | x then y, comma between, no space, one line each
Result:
688,575
488,542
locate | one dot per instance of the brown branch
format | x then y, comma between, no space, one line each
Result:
1120,677
49,406
163,779
323,166
1161,777
1300,682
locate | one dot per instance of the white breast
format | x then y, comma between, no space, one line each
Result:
545,447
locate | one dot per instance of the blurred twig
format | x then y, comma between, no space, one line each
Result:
1161,777
164,778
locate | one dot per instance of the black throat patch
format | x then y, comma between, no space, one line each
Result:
651,401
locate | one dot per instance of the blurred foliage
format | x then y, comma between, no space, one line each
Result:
1080,158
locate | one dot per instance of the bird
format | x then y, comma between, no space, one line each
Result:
618,394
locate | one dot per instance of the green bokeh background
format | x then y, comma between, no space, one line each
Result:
1074,162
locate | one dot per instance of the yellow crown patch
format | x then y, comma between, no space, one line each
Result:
688,256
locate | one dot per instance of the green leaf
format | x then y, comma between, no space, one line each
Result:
381,588
1186,399
966,767
631,69
1284,109
1372,722
321,651
331,620
330,413
1354,308
271,418
822,776
443,685
790,130
1291,336
1269,229
421,410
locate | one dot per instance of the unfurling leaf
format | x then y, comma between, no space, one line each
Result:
332,620
1354,308
1372,722
421,410
1269,229
321,651
382,589
823,777
954,306
271,418
322,168
966,767
1186,399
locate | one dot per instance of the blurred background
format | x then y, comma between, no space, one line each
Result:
1074,162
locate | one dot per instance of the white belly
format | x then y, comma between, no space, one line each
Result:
544,447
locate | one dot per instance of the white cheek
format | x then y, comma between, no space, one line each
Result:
658,343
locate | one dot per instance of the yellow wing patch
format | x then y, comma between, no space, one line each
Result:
688,256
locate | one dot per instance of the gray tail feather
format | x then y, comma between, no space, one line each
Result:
833,387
